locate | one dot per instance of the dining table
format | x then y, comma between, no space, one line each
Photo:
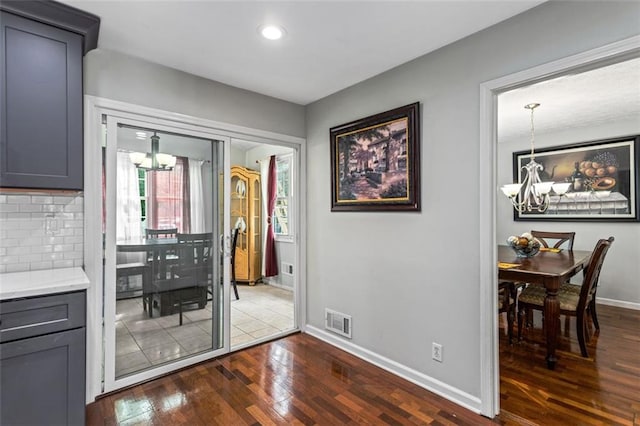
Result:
549,268
157,249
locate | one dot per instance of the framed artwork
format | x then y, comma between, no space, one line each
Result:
375,162
603,176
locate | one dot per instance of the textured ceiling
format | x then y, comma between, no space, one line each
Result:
601,95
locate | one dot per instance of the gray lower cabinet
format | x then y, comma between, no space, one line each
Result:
42,360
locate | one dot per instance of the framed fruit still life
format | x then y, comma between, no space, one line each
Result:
603,178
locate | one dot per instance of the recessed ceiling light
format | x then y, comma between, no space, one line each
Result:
141,135
271,32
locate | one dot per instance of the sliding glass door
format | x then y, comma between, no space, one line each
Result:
166,252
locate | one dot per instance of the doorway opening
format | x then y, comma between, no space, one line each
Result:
496,169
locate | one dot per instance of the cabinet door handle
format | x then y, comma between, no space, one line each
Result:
36,324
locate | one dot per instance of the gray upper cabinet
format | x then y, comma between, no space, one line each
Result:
42,45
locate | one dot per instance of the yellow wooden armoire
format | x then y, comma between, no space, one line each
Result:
246,208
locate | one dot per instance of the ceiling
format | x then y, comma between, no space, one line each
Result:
329,45
606,94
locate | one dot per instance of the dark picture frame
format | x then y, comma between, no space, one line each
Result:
375,162
603,175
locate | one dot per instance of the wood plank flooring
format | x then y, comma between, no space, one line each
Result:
302,380
603,389
295,380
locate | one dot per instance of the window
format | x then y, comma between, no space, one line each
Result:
282,226
142,185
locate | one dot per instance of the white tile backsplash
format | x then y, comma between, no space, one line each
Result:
41,231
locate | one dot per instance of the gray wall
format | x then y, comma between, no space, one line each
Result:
619,277
125,78
410,279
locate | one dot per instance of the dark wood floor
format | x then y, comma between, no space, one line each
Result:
301,380
603,389
295,380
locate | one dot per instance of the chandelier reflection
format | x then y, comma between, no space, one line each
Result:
154,160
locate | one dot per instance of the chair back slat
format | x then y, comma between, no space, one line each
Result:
161,233
194,255
560,238
592,273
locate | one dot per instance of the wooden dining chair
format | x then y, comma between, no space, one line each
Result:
171,257
556,240
549,240
161,233
578,305
507,304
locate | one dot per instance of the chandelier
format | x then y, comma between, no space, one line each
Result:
154,160
532,195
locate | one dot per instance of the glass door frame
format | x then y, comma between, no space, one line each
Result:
110,382
95,108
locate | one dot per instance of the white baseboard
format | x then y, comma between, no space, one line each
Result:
618,303
444,390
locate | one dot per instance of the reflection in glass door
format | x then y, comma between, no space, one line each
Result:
163,282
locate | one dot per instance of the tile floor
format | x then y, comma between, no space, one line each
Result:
142,342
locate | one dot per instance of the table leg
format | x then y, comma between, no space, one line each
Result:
552,324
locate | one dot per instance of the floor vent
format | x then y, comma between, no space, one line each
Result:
338,323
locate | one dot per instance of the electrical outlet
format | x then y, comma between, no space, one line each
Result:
436,351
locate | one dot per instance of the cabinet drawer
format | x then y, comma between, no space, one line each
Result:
36,316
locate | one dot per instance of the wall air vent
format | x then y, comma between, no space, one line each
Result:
337,322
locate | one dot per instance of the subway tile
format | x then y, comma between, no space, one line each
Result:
7,260
18,199
53,256
24,242
53,240
53,208
31,224
63,200
73,208
30,208
17,267
8,208
73,224
18,215
62,248
64,216
19,250
41,199
78,263
76,239
37,266
72,255
63,263
42,249
8,242
31,241
33,257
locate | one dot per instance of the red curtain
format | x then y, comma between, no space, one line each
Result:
169,205
271,263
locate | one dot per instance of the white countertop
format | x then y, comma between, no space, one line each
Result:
39,283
